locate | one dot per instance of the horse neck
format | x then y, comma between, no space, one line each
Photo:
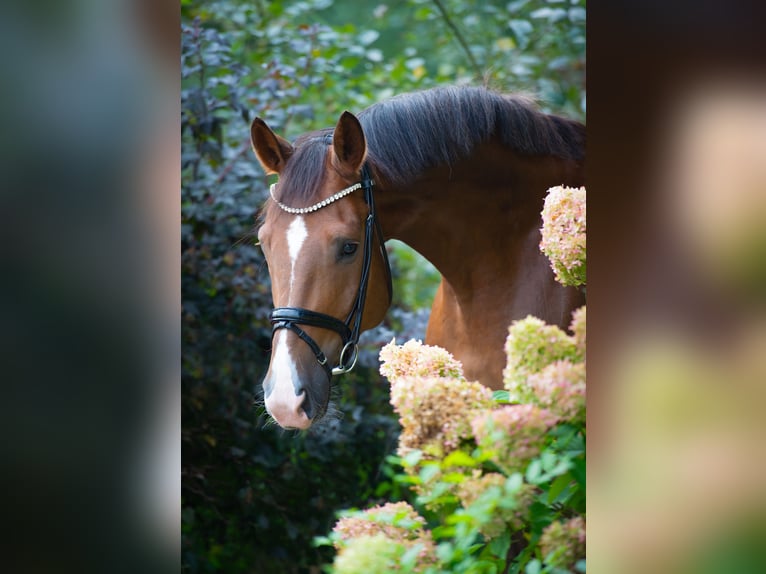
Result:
478,220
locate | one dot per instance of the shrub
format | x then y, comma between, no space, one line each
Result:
499,485
499,478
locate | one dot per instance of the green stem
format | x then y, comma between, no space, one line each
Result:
460,38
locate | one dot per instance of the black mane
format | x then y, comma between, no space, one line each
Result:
413,132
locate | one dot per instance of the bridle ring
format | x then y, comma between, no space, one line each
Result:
342,363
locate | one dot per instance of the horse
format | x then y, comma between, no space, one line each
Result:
457,173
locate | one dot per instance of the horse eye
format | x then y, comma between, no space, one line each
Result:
349,249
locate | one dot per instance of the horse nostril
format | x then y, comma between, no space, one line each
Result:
307,407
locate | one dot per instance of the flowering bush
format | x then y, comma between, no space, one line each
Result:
499,477
494,480
563,234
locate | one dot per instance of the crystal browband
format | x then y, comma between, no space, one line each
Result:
319,205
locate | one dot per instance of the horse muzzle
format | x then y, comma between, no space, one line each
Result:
296,389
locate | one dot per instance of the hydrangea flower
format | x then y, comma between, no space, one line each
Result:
432,398
516,433
394,531
563,234
395,520
374,554
414,359
560,388
532,345
435,413
563,543
578,329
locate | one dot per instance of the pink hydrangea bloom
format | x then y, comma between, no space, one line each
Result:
434,402
396,520
435,413
516,433
563,233
560,388
414,359
563,543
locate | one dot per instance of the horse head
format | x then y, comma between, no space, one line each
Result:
328,266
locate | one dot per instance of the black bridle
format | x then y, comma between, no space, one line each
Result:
350,329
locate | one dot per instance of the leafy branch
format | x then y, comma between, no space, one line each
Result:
459,37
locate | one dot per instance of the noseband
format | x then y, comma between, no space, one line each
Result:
348,330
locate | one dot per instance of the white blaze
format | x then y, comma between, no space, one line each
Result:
282,403
296,235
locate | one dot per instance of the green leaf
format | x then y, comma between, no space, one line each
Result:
407,479
533,567
533,471
502,397
454,477
458,517
443,531
428,472
521,30
514,482
548,460
500,544
558,486
412,458
484,567
368,37
458,458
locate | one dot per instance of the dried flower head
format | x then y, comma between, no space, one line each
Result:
414,359
516,433
532,345
563,233
560,388
563,543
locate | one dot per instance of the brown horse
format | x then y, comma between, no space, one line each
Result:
460,175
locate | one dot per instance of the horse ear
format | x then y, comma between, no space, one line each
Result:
270,149
349,144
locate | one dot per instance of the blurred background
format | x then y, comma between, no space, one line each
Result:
677,315
253,495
